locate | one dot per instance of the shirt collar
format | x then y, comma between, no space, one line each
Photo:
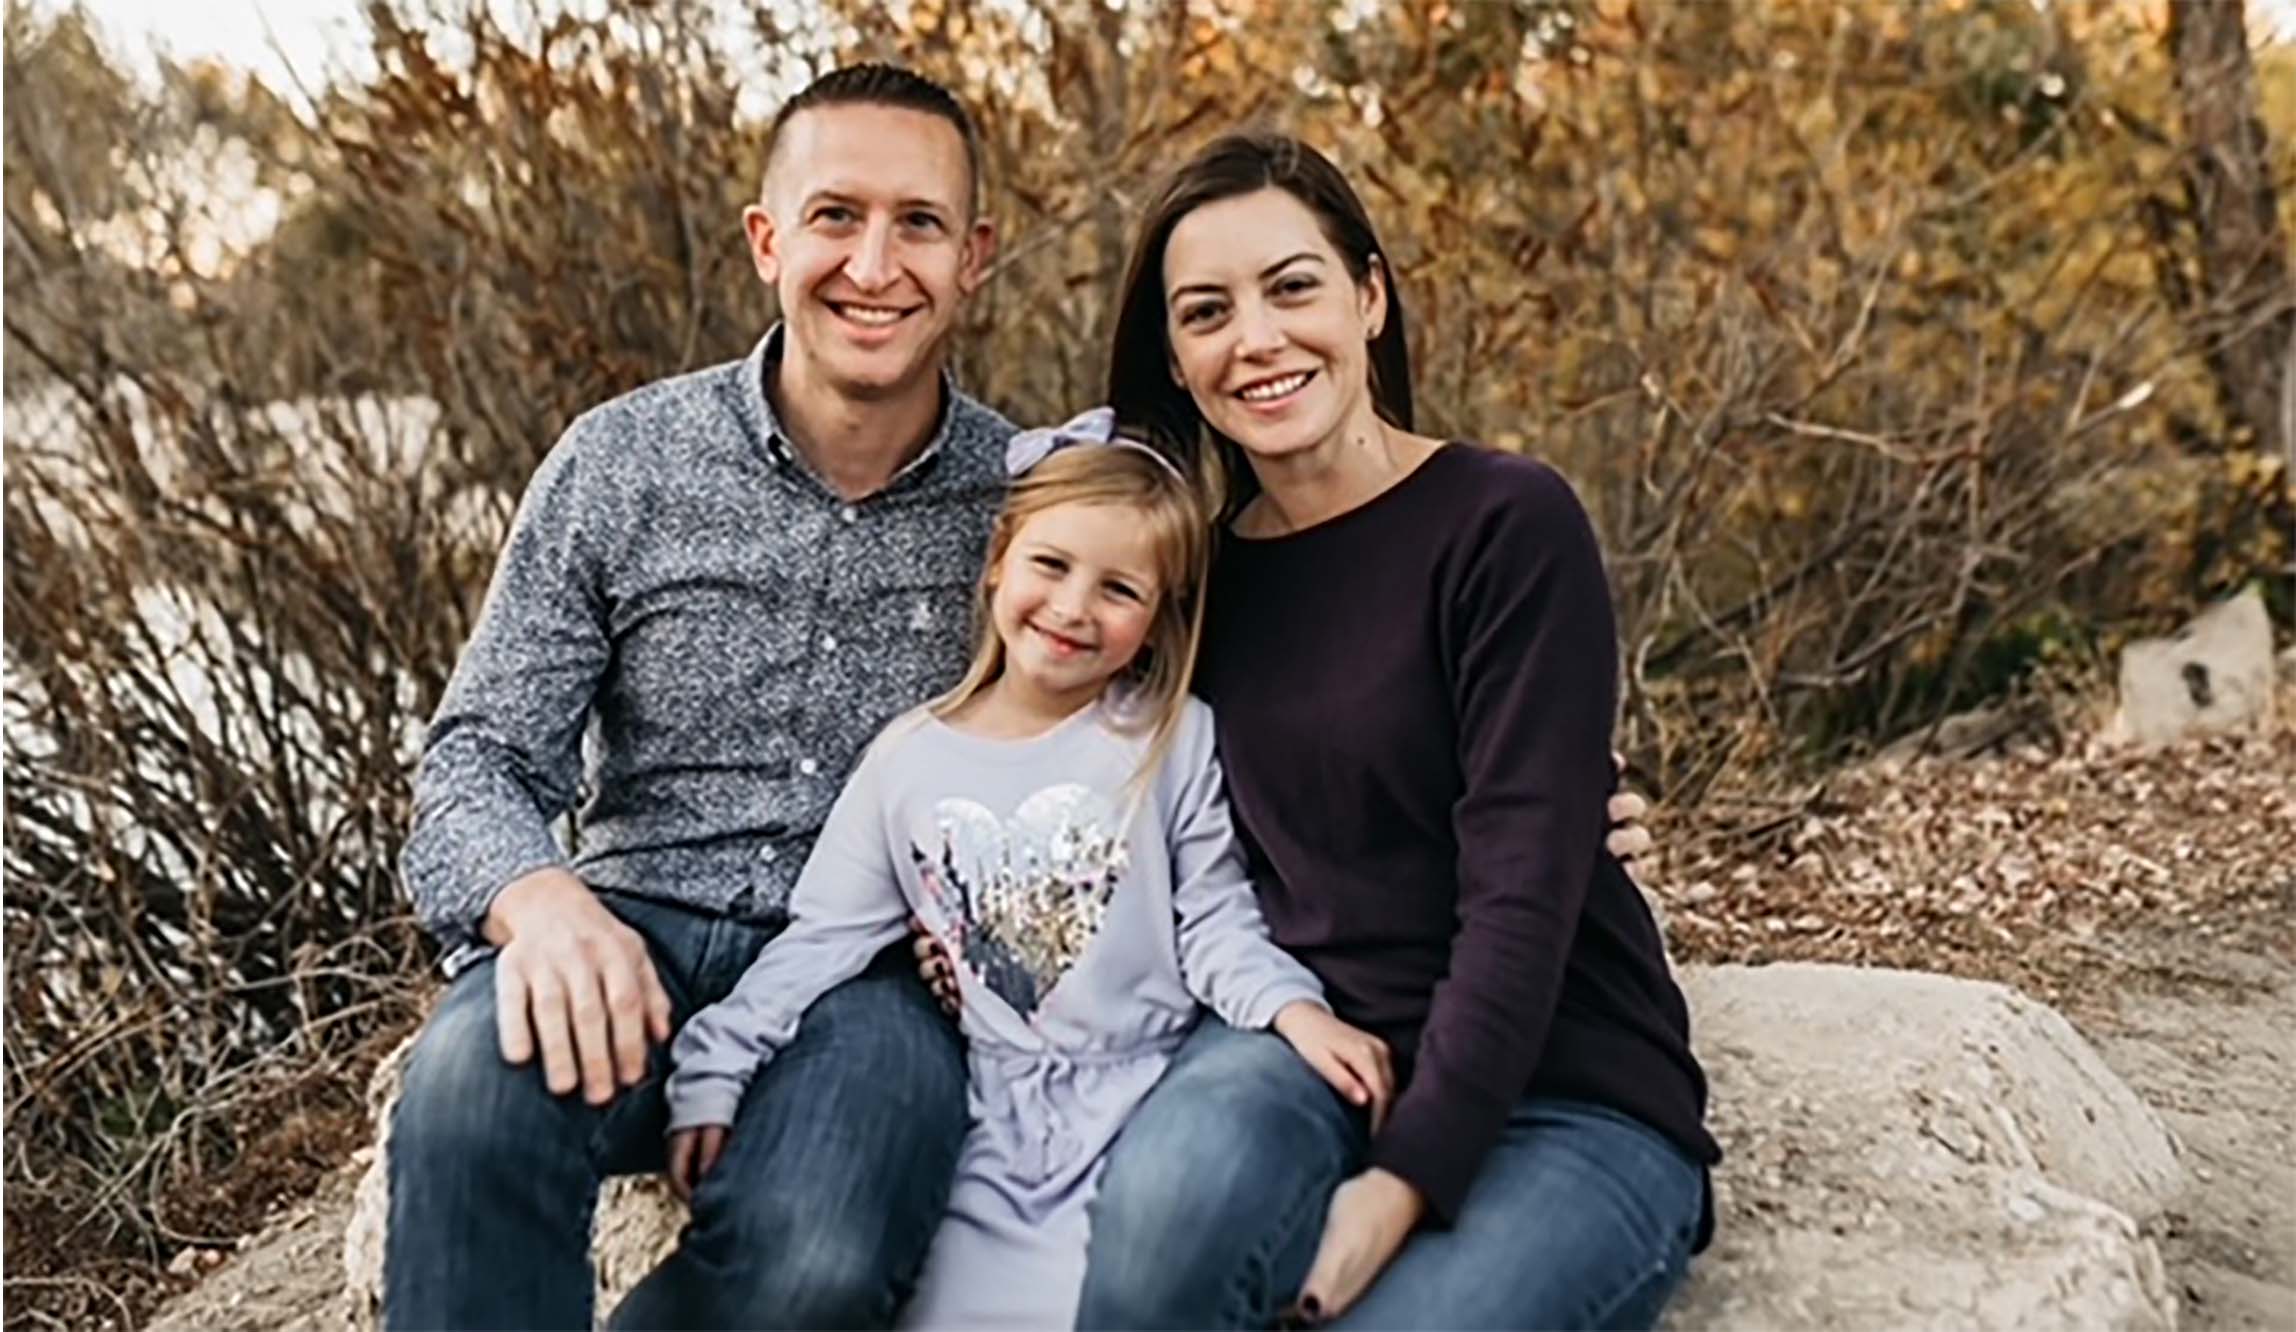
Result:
767,354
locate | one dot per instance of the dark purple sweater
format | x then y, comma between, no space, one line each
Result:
1414,703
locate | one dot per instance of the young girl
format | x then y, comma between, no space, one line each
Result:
1057,822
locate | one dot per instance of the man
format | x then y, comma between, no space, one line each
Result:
717,589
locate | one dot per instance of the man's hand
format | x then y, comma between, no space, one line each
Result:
575,982
1628,839
1356,1063
1371,1216
692,1152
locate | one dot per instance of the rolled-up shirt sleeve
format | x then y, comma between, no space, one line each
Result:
502,758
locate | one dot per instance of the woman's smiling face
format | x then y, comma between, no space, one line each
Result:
1269,332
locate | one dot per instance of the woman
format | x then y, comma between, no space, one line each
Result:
1412,659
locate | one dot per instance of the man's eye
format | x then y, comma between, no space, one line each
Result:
924,221
833,214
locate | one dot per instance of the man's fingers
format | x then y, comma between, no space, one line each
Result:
513,1030
626,1023
1628,843
657,999
593,1047
546,1006
1627,807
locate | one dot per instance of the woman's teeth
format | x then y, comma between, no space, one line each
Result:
1274,388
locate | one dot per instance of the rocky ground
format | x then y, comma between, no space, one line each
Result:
2149,897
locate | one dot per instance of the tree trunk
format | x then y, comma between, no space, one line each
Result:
2245,308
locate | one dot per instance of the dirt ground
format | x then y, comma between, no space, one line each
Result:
2207,1036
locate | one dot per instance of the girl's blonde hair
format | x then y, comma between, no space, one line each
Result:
1180,532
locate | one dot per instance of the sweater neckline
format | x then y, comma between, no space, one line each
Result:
1384,501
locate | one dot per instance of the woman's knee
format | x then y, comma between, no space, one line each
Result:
1209,1184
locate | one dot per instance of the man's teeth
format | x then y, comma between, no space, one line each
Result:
870,314
1274,388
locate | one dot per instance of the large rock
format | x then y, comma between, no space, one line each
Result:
1912,1150
2214,674
1904,1150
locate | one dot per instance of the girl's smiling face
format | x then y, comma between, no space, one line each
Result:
1073,600
1268,332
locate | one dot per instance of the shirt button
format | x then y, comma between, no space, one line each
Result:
769,853
849,514
808,767
829,642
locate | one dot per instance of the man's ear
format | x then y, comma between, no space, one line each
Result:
980,250
764,243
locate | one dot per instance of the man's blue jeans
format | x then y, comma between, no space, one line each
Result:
1215,1194
818,1215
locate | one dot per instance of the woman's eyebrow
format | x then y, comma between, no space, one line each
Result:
1270,271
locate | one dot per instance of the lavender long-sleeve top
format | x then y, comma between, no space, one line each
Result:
1088,923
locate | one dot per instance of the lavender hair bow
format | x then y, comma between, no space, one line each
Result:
1030,447
1097,426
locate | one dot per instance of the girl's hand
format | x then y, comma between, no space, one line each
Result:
934,967
692,1152
1354,1062
1371,1216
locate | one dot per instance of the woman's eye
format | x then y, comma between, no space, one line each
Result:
1199,312
1293,286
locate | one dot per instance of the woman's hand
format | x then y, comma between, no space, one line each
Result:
1371,1216
1355,1062
692,1152
934,967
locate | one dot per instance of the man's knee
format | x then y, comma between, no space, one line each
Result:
460,1101
777,1259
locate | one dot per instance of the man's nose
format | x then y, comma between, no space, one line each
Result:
870,265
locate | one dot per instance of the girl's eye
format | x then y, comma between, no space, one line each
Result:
1124,592
1049,564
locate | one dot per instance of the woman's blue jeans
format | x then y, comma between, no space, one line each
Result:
818,1215
1215,1194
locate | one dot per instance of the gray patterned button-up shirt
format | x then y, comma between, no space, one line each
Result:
693,630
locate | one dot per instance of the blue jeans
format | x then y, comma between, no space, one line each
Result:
818,1214
1215,1194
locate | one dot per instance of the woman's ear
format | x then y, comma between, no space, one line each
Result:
1374,290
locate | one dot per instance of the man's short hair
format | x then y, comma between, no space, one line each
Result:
876,84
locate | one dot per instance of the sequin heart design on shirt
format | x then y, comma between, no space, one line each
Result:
1026,897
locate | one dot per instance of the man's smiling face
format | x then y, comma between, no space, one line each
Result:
867,234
